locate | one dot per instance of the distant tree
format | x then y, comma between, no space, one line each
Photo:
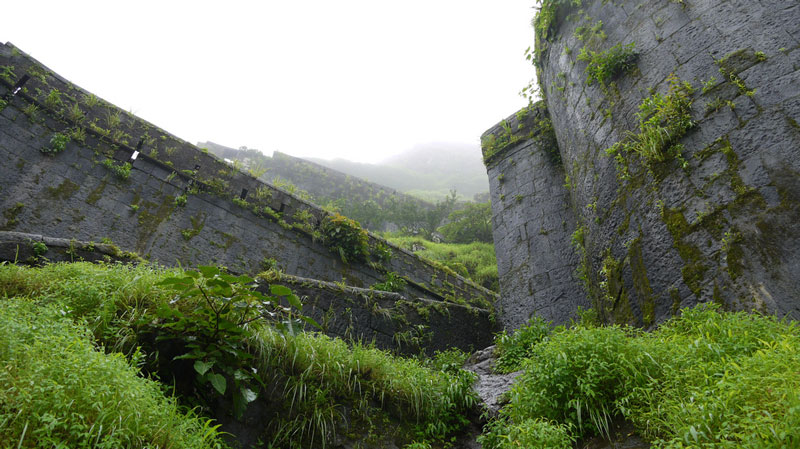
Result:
471,224
434,217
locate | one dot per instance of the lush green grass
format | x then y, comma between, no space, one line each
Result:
313,382
58,390
512,348
475,261
706,379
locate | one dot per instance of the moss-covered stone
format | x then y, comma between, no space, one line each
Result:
63,191
640,281
11,215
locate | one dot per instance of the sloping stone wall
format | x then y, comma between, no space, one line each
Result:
224,216
389,320
176,204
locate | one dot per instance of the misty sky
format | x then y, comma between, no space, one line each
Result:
354,79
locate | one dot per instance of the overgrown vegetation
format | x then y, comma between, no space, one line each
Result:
471,224
663,120
345,237
476,261
204,333
120,171
605,65
704,379
511,348
57,389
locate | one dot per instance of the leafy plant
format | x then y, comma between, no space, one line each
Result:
58,143
392,283
213,334
603,66
53,99
663,120
511,349
345,237
7,73
180,200
121,171
382,252
39,248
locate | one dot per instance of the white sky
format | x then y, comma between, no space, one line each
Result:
360,80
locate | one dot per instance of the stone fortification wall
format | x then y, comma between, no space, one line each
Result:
173,203
532,220
390,320
677,124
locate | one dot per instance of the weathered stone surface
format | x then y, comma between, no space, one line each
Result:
532,221
490,386
724,227
175,204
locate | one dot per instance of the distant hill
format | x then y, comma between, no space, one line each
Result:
427,171
375,206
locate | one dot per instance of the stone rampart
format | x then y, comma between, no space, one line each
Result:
68,170
532,220
677,123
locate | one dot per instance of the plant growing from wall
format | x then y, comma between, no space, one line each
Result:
393,282
180,200
663,120
7,73
39,248
345,237
120,171
53,99
605,65
382,252
58,143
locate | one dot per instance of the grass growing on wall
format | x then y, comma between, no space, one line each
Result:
107,320
705,379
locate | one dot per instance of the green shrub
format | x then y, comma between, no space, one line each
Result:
663,120
57,390
512,348
213,332
121,171
576,377
603,66
58,143
471,224
528,434
704,379
392,283
345,237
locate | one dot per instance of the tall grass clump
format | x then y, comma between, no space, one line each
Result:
511,349
202,331
319,369
58,390
706,379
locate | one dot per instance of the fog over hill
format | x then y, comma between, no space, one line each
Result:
429,171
